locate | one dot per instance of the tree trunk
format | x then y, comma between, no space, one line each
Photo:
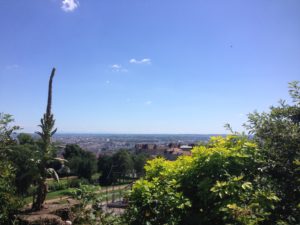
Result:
40,195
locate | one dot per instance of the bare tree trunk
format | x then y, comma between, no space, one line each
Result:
40,195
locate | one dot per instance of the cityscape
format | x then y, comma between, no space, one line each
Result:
106,143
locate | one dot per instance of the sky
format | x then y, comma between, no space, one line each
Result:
146,66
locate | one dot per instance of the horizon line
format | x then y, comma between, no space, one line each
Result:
121,133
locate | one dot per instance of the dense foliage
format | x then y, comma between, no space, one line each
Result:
24,157
221,183
88,211
278,136
81,163
119,165
232,180
9,202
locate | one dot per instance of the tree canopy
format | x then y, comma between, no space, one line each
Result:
9,201
231,180
81,163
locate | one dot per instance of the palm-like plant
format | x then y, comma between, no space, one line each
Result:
46,152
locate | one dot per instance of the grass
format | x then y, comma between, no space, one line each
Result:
52,195
117,194
60,193
66,192
62,178
96,176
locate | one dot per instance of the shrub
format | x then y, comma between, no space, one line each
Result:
221,183
75,183
87,195
57,186
278,135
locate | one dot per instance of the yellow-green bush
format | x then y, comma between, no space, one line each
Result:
221,183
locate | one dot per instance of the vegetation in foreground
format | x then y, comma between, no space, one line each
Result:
231,180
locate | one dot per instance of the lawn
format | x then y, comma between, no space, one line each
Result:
66,192
52,195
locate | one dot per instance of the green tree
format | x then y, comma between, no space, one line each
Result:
139,161
6,131
81,163
72,150
278,136
117,166
105,169
24,138
9,201
24,159
122,163
87,167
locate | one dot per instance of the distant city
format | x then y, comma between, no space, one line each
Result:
101,143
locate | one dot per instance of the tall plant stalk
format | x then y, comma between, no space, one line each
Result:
46,154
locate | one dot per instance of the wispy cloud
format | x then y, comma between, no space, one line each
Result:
148,102
107,82
69,5
142,61
118,68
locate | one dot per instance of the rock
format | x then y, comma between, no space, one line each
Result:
64,212
51,214
44,219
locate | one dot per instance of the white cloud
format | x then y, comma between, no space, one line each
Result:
118,68
142,61
148,102
69,5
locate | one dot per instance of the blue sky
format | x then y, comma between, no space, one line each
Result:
146,66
